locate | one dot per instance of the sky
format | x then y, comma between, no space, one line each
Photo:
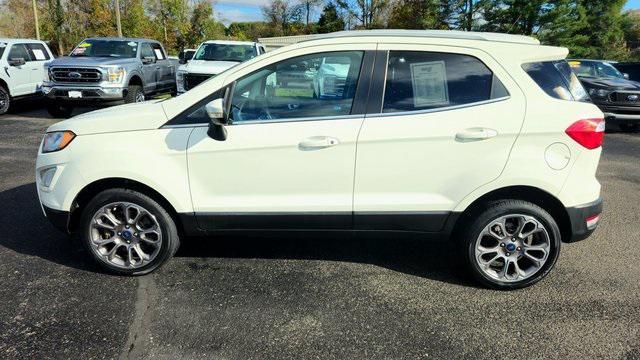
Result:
250,10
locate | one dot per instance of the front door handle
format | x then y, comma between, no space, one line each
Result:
318,142
475,134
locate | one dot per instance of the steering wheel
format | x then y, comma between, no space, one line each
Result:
252,109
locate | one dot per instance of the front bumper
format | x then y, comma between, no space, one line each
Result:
620,113
59,219
584,220
89,93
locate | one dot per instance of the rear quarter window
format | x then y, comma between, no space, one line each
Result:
557,79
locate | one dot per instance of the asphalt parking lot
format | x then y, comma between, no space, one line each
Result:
380,297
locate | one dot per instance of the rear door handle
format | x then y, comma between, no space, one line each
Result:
318,142
475,134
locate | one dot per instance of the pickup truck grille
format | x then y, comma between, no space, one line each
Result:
193,80
626,97
75,75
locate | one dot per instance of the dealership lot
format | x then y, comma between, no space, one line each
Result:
322,296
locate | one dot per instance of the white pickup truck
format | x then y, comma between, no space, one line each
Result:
22,63
212,58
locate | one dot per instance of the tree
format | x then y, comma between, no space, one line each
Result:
135,22
419,14
100,19
329,20
367,12
631,29
308,6
283,16
203,25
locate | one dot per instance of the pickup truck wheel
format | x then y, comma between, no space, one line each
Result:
509,244
128,233
59,111
5,100
134,94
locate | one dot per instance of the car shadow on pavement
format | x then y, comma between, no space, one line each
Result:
411,254
27,231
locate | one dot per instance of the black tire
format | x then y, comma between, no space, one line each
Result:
59,110
473,225
133,94
170,240
5,100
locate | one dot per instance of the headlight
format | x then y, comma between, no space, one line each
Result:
115,75
599,92
46,75
56,141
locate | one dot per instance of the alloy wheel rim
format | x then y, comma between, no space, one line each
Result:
512,248
125,235
139,97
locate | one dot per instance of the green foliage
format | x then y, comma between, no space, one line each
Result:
589,28
329,20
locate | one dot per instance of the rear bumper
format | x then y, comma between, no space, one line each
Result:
584,220
59,219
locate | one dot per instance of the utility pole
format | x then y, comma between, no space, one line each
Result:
35,19
118,18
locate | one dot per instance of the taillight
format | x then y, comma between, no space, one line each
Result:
588,133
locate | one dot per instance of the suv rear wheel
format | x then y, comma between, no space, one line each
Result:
5,100
59,110
510,244
127,232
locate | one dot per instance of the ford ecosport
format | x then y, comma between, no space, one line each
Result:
488,139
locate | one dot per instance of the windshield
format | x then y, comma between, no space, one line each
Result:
595,69
2,47
106,48
225,52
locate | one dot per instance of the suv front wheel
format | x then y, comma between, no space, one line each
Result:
510,244
127,232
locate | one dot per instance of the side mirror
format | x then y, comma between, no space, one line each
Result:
217,118
148,60
626,76
17,62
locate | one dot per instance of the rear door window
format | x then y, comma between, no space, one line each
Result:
419,80
557,79
38,52
158,52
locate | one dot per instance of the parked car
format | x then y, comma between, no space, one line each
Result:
22,62
212,58
186,55
485,138
616,95
630,69
106,71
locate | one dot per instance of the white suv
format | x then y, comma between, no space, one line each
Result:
485,138
21,69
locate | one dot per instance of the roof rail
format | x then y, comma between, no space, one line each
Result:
444,34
